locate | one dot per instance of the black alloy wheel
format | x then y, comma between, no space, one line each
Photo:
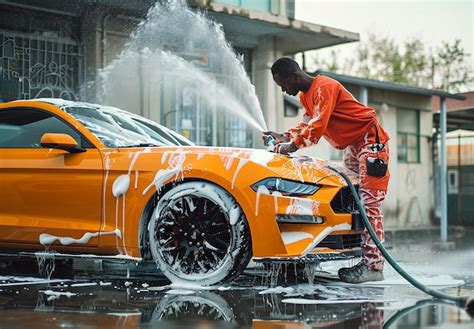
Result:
194,235
198,234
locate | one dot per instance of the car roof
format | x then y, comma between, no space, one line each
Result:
59,102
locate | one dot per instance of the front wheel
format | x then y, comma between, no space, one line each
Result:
198,234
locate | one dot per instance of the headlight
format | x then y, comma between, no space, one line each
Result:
287,187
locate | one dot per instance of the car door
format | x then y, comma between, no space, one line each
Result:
46,191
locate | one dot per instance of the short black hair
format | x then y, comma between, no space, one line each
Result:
285,66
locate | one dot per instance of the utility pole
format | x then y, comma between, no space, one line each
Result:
443,177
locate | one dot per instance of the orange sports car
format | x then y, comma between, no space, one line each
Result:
83,178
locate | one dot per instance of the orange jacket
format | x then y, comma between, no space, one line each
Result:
332,112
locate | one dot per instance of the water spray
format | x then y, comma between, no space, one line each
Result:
181,53
463,301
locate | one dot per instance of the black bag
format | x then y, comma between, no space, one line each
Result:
376,167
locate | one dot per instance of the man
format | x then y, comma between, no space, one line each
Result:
332,112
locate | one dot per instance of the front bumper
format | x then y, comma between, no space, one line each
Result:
292,226
305,225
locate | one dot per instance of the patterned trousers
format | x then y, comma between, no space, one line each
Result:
372,192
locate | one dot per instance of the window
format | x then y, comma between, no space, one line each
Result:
23,128
453,181
290,9
408,136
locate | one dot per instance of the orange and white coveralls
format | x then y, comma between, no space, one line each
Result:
332,112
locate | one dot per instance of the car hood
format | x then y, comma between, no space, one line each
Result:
302,168
294,167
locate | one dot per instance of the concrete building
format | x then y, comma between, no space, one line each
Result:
51,48
460,157
405,113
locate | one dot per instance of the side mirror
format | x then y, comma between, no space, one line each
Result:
60,141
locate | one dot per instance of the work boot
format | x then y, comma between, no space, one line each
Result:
344,269
360,273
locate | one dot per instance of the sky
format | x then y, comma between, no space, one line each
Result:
433,21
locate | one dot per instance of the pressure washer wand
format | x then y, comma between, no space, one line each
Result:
465,301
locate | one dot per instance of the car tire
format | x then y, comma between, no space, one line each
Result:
199,235
207,306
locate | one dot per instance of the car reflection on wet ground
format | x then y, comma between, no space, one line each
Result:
109,295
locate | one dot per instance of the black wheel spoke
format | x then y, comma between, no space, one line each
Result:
174,256
193,264
220,242
221,252
186,253
201,207
187,211
207,258
219,233
169,248
201,266
215,224
167,242
171,218
216,258
213,211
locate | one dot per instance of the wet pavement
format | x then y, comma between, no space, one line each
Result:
94,294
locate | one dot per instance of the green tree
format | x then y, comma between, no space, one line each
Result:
383,59
411,63
450,69
329,64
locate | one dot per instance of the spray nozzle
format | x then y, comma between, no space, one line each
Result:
270,142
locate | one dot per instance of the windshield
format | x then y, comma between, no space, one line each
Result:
117,128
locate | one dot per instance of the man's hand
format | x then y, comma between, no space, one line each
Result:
279,138
286,148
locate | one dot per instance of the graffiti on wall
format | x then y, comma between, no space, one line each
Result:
39,66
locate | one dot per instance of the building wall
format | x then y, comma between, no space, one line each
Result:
410,197
409,200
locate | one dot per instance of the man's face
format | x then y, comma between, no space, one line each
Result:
288,83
